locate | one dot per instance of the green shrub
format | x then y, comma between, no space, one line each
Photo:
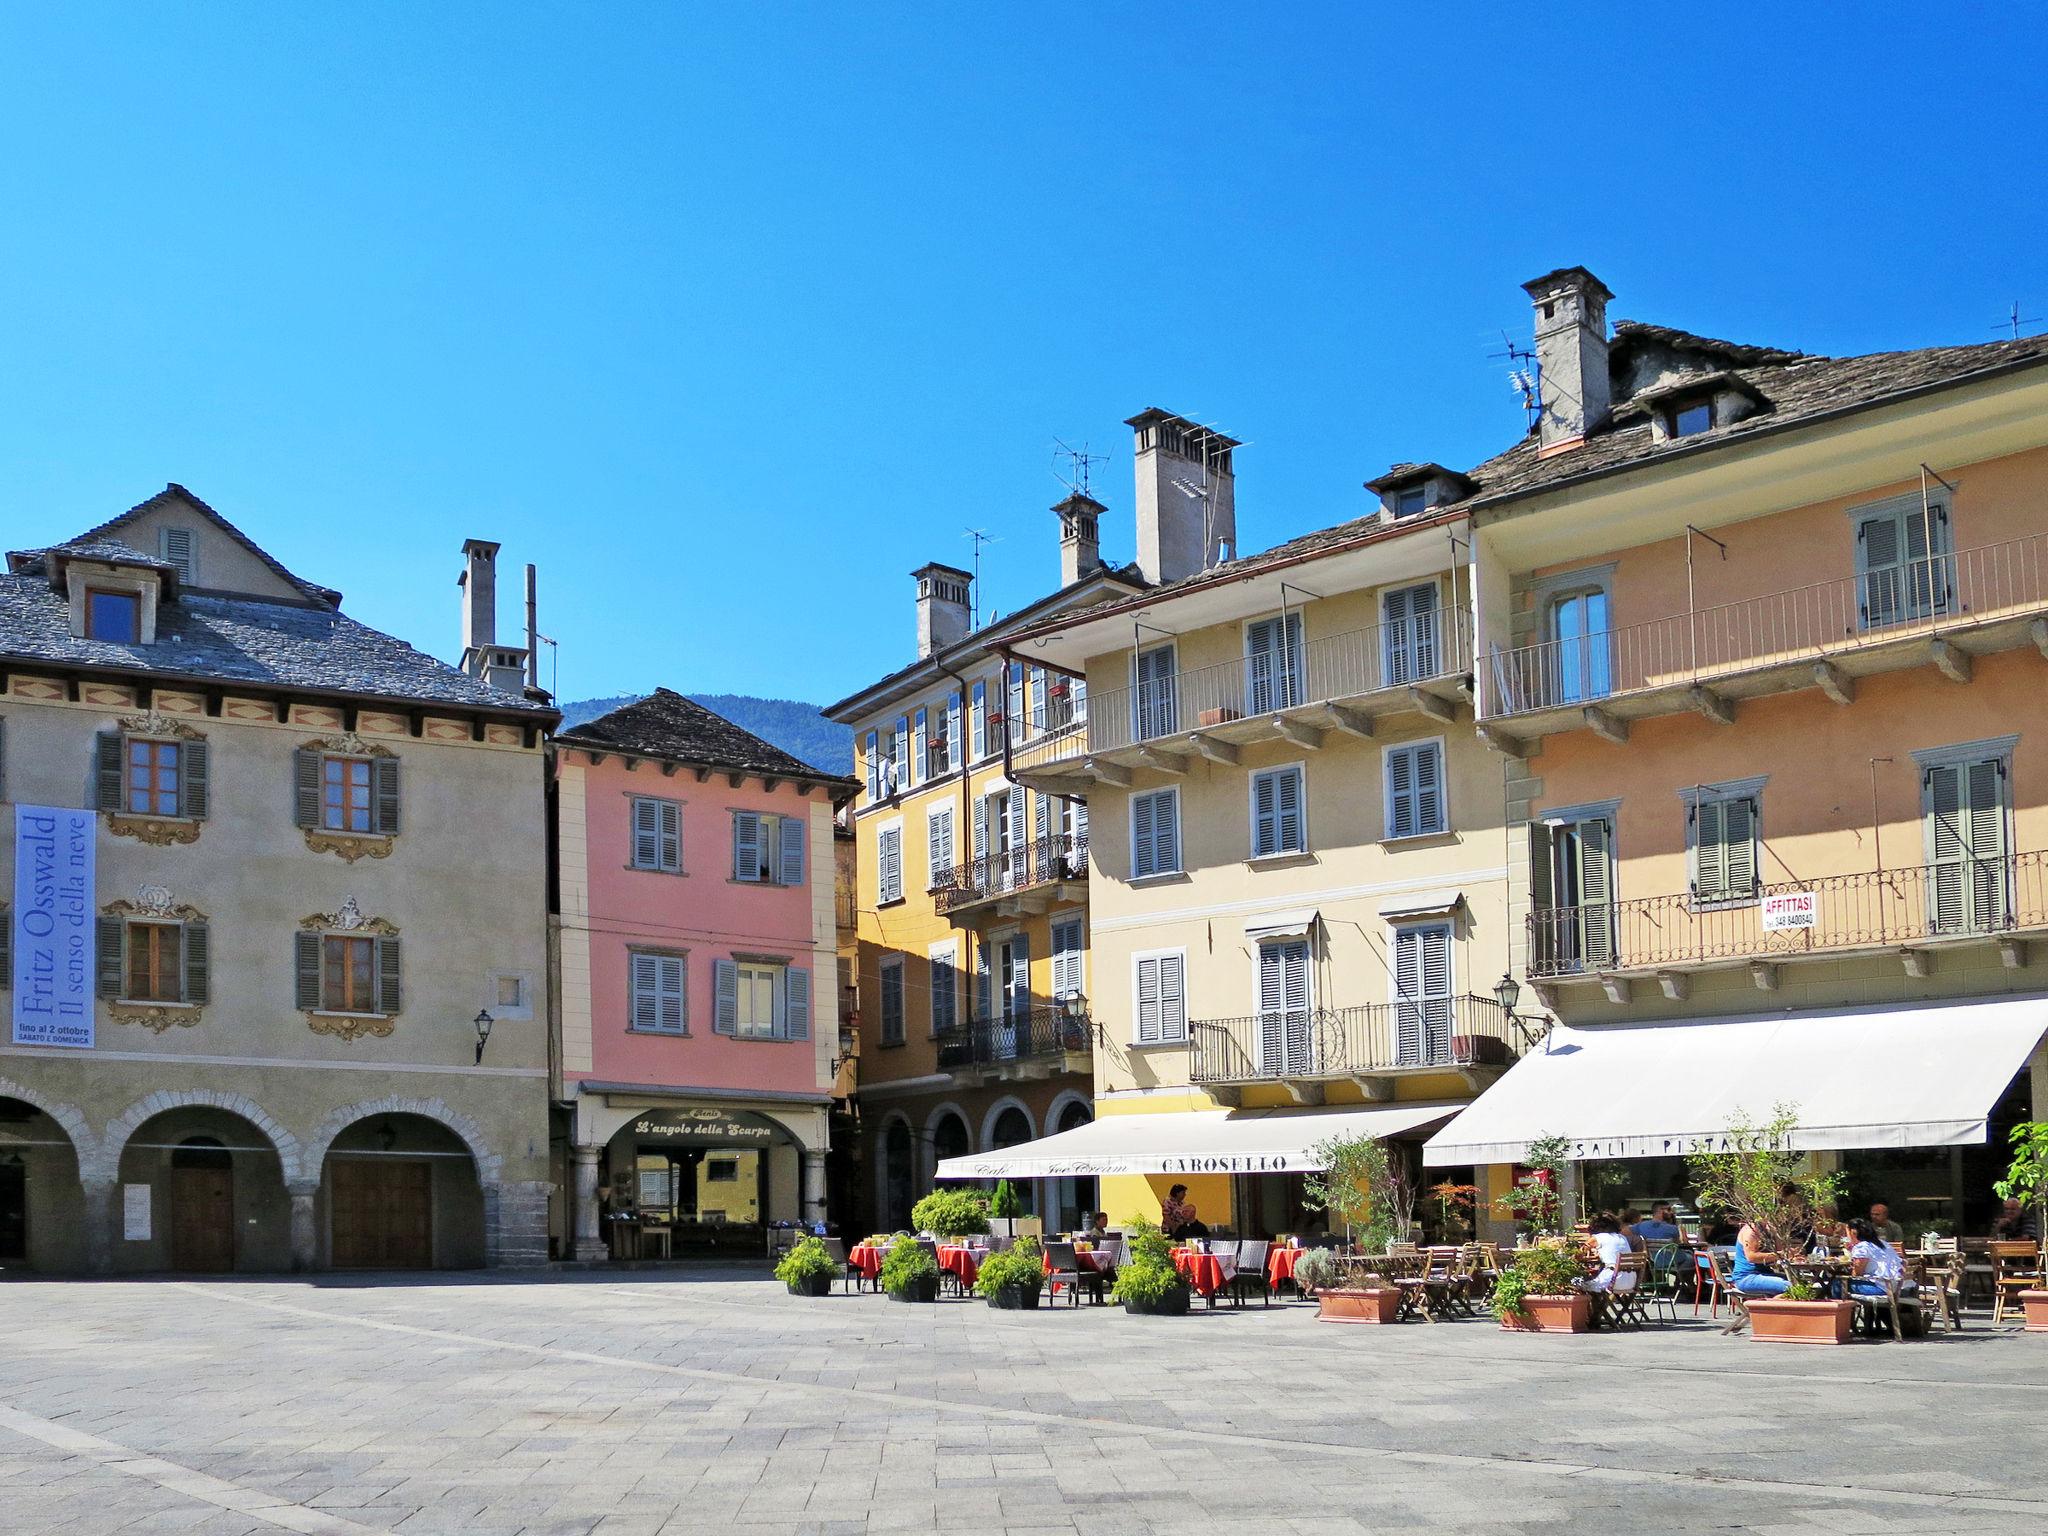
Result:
951,1213
1022,1266
1145,1281
806,1260
1144,1242
1005,1203
1317,1270
904,1264
1533,1272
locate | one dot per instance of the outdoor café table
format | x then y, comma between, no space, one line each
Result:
1280,1264
867,1260
1208,1273
962,1263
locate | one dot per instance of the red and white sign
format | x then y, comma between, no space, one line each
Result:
1791,909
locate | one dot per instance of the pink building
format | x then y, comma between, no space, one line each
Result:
695,968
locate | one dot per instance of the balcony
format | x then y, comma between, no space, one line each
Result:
1367,1046
1911,912
1042,1038
1935,612
1336,683
1027,879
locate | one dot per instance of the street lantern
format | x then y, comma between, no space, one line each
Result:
1507,992
483,1033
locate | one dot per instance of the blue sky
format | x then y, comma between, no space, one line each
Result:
730,316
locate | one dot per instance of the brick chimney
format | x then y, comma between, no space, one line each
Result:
1186,496
1080,537
942,611
1571,355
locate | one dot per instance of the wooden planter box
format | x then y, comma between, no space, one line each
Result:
1016,1298
1222,716
1376,1304
1800,1322
811,1285
1569,1313
2036,1303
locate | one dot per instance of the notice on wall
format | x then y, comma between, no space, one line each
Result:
53,926
135,1213
1789,910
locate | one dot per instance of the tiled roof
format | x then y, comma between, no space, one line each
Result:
667,725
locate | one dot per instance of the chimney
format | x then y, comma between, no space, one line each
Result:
1080,538
1187,497
1571,355
502,666
941,606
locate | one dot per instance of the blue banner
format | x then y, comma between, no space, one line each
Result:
53,926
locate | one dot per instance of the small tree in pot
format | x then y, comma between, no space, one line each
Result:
807,1269
1361,1184
1538,1201
951,1213
1014,1279
1536,1293
1147,1282
910,1273
2026,1180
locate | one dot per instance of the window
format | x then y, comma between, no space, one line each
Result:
1721,824
1409,635
889,864
1411,500
891,1007
1278,825
347,973
1155,833
659,993
1162,997
1897,576
1692,418
345,794
1155,711
1969,872
511,994
143,776
1577,659
721,1170
945,983
763,999
1061,694
872,758
978,722
754,997
152,778
1014,706
899,756
657,835
1422,995
1038,680
939,846
942,742
1272,664
337,792
1415,790
1069,956
115,616
1571,875
145,961
768,849
1286,1041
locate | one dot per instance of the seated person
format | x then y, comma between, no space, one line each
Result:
1098,1226
1750,1272
1626,1225
2015,1222
1719,1230
1872,1261
1889,1230
1612,1248
1177,1218
1659,1226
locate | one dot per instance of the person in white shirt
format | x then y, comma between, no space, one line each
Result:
1874,1261
1612,1248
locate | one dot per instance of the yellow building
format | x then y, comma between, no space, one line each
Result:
971,908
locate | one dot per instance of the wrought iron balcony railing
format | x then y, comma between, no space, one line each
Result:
1894,908
1917,598
1044,861
1445,1032
1039,1030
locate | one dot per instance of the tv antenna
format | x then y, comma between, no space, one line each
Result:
980,536
1525,375
1078,461
2013,321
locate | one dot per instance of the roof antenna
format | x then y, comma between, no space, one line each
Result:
1078,462
2013,321
980,536
1525,375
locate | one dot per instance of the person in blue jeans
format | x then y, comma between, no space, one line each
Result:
1874,1261
1749,1273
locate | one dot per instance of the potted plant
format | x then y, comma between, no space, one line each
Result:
1455,1204
2027,1180
1316,1270
1361,1184
1012,1280
1537,1201
1535,1293
910,1273
807,1269
1147,1283
951,1213
1774,1193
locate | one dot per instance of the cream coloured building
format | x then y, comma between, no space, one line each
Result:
309,859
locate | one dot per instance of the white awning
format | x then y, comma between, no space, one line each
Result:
1193,1141
1422,903
1918,1075
1280,925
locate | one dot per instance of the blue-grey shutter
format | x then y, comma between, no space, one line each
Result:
193,775
725,1017
645,987
646,835
389,993
984,983
1265,814
956,746
1401,792
791,832
1166,832
1142,833
1173,1010
109,934
198,963
110,761
1287,820
796,1003
672,976
920,745
305,788
6,946
746,846
669,835
977,723
384,794
1429,787
306,970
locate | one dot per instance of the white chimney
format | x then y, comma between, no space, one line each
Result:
1571,355
502,666
1080,537
1187,496
942,612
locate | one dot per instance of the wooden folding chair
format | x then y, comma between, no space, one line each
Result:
1724,1285
2015,1267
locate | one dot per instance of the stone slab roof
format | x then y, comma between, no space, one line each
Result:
666,725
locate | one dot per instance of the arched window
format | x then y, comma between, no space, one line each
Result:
898,1176
949,1138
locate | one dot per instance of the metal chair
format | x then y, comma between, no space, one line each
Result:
1251,1271
835,1250
1064,1267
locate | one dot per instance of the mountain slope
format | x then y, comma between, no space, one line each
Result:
794,726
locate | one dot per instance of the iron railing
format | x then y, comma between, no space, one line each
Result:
1043,861
1446,1032
1035,1030
1942,592
1964,898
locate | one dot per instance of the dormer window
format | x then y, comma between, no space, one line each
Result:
1409,490
1695,405
1692,418
1412,499
114,616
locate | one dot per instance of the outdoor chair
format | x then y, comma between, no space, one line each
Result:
1941,1288
1251,1272
1482,1267
2015,1267
1063,1267
1724,1285
835,1250
1629,1308
1706,1282
1893,1306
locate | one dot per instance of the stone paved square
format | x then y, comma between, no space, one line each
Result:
642,1403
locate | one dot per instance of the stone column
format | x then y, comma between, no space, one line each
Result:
102,1218
305,1234
589,1241
813,1180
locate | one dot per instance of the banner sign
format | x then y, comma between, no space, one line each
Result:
1790,910
53,926
714,1126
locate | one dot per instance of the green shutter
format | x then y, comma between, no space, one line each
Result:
198,964
109,935
1738,837
109,764
193,773
305,788
389,993
384,794
1543,915
306,971
1596,894
1709,850
1969,885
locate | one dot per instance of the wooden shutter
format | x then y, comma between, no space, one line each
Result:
305,788
1410,650
1156,713
1287,820
1272,1008
1596,893
646,835
1429,787
668,826
644,971
977,722
938,843
1543,915
1166,832
889,864
390,992
1984,789
1261,647
1422,983
1066,959
198,963
725,985
981,812
1265,814
306,970
1436,990
1724,849
670,976
109,938
746,846
1148,999
920,745
1013,840
945,996
6,945
109,767
193,774
384,795
796,1003
984,983
1143,831
1967,847
1173,1013
873,765
1401,792
790,832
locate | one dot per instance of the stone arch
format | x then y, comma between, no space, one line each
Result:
1066,1099
893,1118
995,1113
928,1138
84,1145
107,1161
488,1163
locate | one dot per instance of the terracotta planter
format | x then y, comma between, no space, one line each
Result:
2036,1303
1800,1322
1015,1298
811,1285
1340,1304
1569,1313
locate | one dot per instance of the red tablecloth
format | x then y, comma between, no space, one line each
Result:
1204,1271
1280,1264
962,1263
1097,1259
867,1259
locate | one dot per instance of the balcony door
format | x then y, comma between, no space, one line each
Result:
1008,841
1899,577
1571,873
1272,664
1155,705
1411,647
1422,995
1286,1041
1010,1033
1581,665
1969,874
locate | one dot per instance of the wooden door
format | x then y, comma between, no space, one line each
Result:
381,1213
203,1219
